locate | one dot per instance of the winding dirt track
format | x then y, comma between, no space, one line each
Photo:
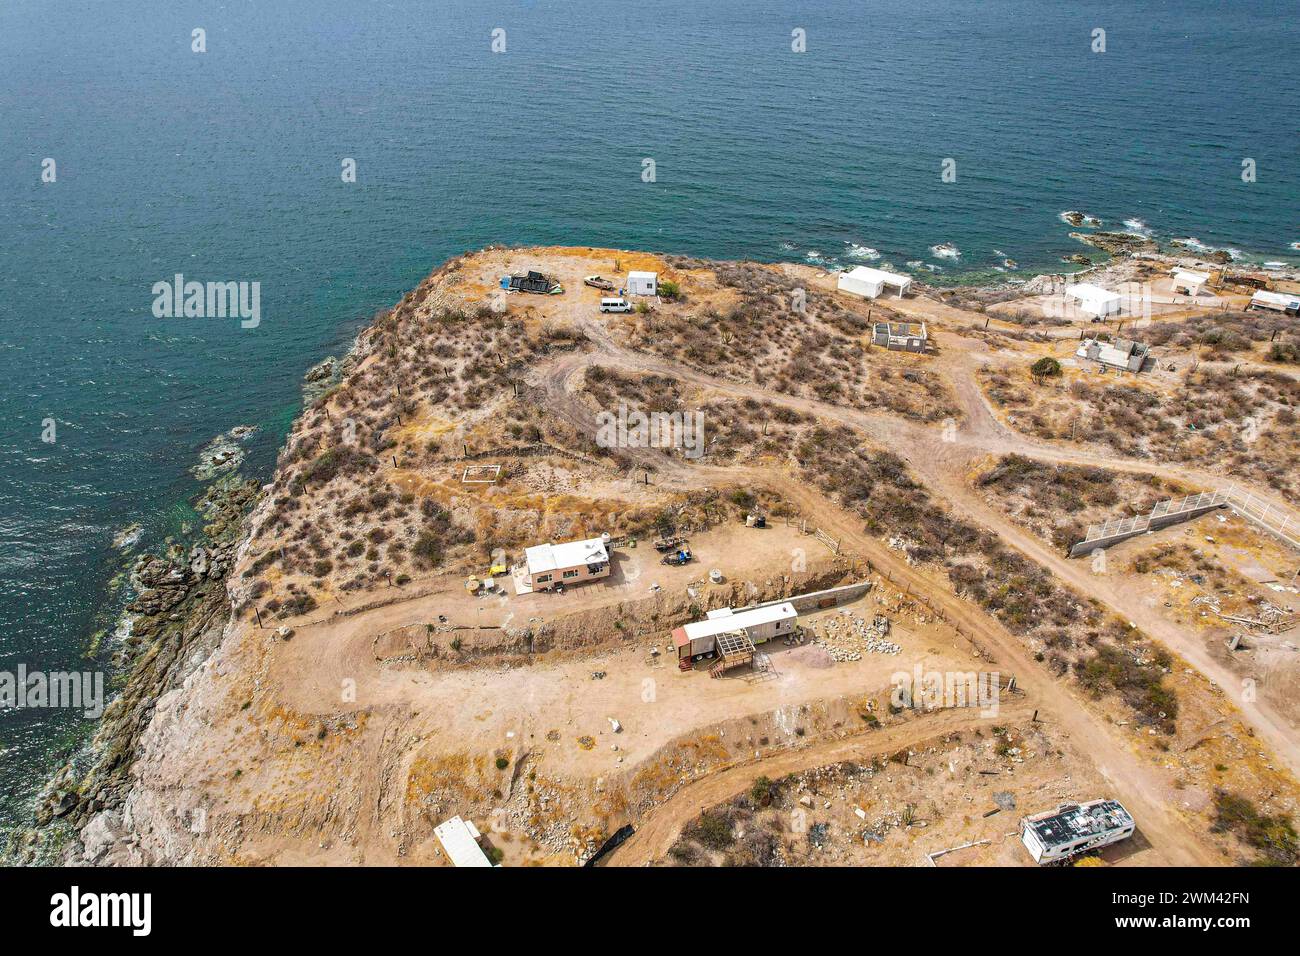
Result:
942,465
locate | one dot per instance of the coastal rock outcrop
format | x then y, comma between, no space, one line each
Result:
1116,243
178,616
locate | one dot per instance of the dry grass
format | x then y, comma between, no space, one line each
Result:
1244,422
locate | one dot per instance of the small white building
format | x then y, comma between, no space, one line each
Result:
643,283
460,839
1276,302
572,562
870,283
1093,300
1190,283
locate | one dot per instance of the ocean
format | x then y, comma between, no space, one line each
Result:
226,165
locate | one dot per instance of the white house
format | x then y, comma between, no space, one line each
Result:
870,283
1093,299
643,283
569,563
1190,283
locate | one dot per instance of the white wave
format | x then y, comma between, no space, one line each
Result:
945,250
1137,227
814,257
856,251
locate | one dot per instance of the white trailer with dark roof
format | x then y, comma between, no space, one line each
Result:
1074,828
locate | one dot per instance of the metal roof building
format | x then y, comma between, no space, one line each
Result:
1277,301
549,565
460,839
570,554
760,624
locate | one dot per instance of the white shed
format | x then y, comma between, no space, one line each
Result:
1191,283
869,283
1093,299
643,283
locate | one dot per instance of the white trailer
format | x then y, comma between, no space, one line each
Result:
1074,828
1287,302
699,639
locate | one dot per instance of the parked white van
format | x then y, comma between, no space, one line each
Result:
615,305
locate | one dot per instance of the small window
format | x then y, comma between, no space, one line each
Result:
543,578
571,574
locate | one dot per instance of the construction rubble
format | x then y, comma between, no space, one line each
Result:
846,636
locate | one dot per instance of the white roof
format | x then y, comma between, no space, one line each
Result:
460,839
643,275
1187,275
552,557
740,619
1284,299
1087,292
880,277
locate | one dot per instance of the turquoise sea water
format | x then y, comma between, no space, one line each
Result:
225,165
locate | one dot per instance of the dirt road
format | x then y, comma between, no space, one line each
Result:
942,464
660,830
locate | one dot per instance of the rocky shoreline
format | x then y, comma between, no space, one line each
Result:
179,614
177,619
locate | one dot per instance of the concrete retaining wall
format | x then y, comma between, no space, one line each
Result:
815,600
1163,521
